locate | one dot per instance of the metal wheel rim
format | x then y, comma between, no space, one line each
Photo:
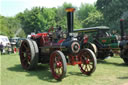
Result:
87,63
25,55
56,65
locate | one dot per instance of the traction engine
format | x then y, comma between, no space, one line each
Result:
58,49
123,43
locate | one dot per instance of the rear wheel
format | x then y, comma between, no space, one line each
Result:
58,65
91,46
88,59
29,54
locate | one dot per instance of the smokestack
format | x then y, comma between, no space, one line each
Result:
70,19
122,28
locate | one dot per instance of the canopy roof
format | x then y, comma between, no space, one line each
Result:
92,29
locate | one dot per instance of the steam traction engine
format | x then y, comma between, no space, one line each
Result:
58,49
123,43
103,44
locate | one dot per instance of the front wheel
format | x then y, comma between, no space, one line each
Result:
58,65
88,59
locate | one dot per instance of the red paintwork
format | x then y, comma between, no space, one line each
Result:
56,65
73,60
44,40
60,41
59,64
85,39
87,61
121,19
39,35
25,60
103,41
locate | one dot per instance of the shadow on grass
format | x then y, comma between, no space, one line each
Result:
77,74
42,72
111,63
123,77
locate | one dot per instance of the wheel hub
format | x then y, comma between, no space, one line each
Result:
87,61
59,64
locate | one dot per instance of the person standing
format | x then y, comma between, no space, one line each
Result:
1,48
9,48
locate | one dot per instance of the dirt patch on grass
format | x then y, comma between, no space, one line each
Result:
125,84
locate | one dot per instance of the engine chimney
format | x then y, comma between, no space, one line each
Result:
70,19
122,29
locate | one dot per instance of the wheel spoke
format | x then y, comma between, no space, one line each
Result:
87,59
86,68
22,52
28,49
24,46
25,55
82,65
59,71
58,58
57,65
90,66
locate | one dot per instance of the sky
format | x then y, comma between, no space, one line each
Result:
12,7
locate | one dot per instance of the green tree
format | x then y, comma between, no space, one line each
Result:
9,26
37,19
47,18
94,19
84,11
3,28
61,16
113,11
89,16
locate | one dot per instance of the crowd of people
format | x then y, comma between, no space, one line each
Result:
8,49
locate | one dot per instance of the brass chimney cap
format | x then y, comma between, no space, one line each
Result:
70,9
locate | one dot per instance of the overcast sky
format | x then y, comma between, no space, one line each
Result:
12,7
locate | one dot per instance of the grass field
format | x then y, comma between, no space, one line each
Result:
112,71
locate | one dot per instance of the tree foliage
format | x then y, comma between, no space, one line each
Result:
61,17
113,11
93,19
37,19
9,26
104,12
89,16
84,11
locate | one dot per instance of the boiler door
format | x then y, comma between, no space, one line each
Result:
75,47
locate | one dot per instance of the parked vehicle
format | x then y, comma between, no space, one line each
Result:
4,40
105,44
123,43
58,49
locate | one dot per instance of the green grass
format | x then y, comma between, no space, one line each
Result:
112,71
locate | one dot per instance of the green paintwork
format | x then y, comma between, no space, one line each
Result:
102,34
110,41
